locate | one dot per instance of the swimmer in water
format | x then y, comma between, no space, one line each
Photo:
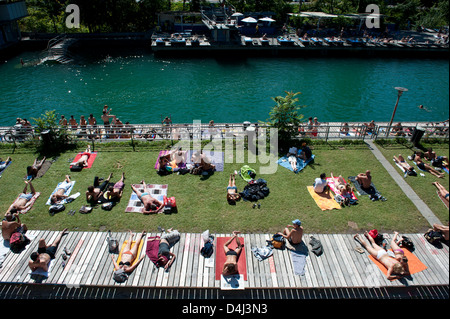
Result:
423,108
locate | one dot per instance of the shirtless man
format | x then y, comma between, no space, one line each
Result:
295,235
11,224
395,261
364,179
23,200
45,254
425,167
33,170
230,267
59,195
73,123
63,121
105,118
95,191
402,162
151,204
83,160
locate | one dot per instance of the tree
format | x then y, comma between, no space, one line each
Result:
285,117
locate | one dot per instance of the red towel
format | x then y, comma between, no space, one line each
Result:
91,159
221,258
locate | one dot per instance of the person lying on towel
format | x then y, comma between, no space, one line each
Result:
127,259
395,261
400,160
167,240
24,199
151,204
83,160
230,267
59,195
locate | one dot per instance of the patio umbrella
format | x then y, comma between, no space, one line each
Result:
249,20
267,19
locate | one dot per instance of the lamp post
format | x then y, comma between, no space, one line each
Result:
400,92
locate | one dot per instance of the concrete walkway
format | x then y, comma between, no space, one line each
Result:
421,206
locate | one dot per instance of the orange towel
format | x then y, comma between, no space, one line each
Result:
324,201
415,265
132,244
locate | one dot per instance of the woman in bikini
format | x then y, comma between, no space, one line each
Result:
232,192
128,256
395,261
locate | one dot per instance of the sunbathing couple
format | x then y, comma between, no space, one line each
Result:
395,261
424,166
343,188
113,193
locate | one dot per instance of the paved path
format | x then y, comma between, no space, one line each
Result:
421,206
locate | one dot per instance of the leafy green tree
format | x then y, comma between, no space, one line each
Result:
285,117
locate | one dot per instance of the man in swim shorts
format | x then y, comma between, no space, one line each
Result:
94,192
425,167
151,204
11,224
23,200
115,192
364,179
59,194
45,254
295,235
230,266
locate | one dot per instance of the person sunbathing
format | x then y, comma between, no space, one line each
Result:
232,192
45,254
342,188
442,191
444,230
33,170
24,199
83,160
294,235
5,163
364,179
95,191
395,261
151,204
230,266
11,224
59,194
201,161
167,240
115,192
127,258
406,167
425,167
292,156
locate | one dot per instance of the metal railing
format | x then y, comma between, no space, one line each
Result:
155,132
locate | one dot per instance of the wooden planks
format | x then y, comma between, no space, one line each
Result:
340,265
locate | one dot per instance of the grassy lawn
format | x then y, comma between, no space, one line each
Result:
202,202
422,184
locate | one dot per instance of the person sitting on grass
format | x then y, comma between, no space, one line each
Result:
115,192
127,258
230,267
203,163
295,235
364,179
95,191
321,184
306,153
59,194
406,167
425,167
11,224
395,261
232,192
151,204
436,161
45,254
23,200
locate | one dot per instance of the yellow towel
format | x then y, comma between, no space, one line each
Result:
324,201
132,244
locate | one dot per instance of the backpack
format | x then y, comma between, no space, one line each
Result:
17,242
278,241
108,206
433,237
407,243
56,209
207,249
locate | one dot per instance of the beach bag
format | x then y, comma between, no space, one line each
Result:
56,209
379,239
17,242
433,237
85,210
278,241
407,243
207,250
113,244
108,206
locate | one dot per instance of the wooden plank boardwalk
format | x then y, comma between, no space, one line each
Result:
340,266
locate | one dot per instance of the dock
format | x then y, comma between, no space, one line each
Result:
339,267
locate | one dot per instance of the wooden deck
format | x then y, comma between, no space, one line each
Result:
340,266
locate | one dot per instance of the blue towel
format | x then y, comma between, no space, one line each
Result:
284,161
298,262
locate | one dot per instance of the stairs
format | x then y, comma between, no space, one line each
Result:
57,50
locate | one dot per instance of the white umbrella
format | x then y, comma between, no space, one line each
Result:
267,19
249,20
237,14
